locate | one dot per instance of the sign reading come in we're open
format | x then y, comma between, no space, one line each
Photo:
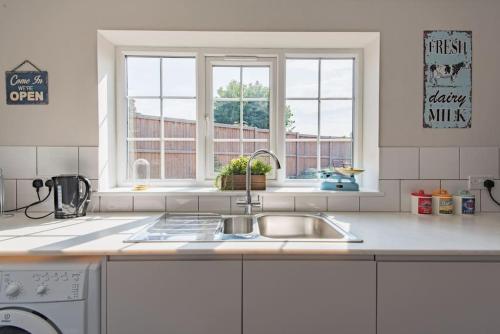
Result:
27,87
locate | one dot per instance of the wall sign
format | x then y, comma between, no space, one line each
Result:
27,87
447,79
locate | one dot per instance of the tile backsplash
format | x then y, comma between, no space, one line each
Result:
402,170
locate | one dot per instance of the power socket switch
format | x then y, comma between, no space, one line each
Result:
477,182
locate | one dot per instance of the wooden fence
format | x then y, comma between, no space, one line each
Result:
180,154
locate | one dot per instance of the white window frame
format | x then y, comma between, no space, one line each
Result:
356,109
237,61
203,105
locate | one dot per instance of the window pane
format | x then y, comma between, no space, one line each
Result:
227,119
336,77
179,77
256,82
336,154
149,150
180,159
302,118
302,78
301,160
226,81
224,153
143,76
179,118
336,119
255,119
144,118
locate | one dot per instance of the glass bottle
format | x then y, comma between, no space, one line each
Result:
141,174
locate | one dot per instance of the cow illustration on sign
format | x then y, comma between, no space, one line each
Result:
447,84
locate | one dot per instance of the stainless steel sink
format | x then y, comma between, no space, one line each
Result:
308,227
238,224
260,227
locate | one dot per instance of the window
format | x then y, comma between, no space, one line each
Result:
240,109
161,96
190,115
318,115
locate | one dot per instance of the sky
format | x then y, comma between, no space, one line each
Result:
301,82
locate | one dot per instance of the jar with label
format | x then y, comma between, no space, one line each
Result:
465,203
421,203
442,202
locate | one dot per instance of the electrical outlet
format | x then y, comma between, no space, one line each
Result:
477,182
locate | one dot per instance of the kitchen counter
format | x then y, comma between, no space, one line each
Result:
383,234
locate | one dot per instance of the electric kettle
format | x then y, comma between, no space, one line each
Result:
71,196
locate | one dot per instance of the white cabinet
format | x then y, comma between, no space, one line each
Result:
174,297
313,297
438,298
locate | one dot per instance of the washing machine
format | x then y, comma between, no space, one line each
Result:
50,297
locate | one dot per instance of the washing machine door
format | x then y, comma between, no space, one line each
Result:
19,321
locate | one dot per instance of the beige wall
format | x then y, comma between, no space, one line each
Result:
60,36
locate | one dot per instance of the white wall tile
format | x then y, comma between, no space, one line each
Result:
388,202
455,186
487,205
116,203
311,203
479,161
439,163
278,203
18,162
87,162
57,160
343,203
409,186
217,204
399,163
26,194
149,203
95,185
95,204
238,210
182,203
10,194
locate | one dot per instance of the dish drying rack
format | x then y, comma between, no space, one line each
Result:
182,227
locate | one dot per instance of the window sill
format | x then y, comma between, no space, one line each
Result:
211,191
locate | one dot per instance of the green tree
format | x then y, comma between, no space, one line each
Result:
255,113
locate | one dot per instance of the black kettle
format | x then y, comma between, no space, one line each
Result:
71,196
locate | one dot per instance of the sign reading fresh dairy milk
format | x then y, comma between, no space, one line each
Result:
27,87
447,79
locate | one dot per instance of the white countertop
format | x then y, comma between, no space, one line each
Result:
383,234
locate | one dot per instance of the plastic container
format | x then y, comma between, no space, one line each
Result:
465,203
442,202
421,203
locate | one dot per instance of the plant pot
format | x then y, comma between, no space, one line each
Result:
238,182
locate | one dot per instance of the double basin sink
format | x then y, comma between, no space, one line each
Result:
258,227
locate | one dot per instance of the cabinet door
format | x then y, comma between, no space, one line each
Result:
438,298
174,297
313,297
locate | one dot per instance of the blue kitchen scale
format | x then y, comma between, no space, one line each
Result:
340,179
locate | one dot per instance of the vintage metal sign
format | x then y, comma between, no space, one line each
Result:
27,87
447,79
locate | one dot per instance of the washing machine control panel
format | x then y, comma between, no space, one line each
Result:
42,286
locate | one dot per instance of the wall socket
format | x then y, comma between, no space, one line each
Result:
477,182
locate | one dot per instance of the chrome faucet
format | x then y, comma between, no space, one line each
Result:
248,203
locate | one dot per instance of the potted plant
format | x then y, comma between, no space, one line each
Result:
233,175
